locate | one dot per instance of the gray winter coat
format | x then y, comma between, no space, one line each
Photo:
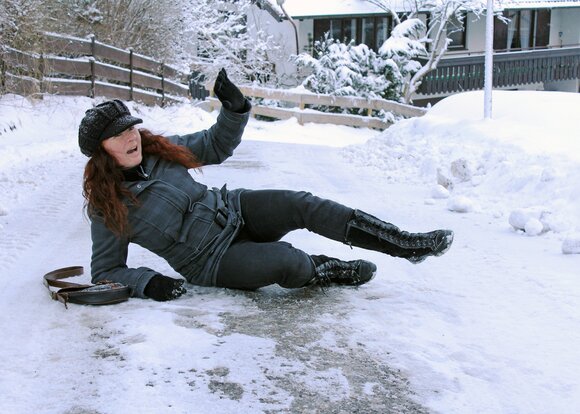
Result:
177,218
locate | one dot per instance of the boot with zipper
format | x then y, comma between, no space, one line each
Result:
369,232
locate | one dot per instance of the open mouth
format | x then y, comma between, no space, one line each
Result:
132,150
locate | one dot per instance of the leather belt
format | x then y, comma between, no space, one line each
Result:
103,293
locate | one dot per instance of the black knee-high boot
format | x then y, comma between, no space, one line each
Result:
369,232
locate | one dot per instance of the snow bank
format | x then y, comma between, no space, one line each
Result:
522,165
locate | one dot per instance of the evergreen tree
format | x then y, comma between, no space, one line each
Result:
341,69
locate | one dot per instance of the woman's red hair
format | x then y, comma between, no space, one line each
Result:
102,180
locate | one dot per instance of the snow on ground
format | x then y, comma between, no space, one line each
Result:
491,327
524,163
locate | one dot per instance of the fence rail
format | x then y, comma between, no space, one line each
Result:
456,74
304,115
74,66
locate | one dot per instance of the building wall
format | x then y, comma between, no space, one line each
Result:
564,21
564,30
565,27
475,33
305,34
283,34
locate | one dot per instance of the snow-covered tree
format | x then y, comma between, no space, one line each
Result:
350,70
410,40
221,36
341,69
404,47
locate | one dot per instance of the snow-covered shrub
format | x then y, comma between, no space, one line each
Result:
342,69
403,48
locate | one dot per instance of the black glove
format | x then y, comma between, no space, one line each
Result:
162,288
228,93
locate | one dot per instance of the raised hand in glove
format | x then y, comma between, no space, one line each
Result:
228,93
162,288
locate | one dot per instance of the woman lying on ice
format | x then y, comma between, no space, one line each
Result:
138,190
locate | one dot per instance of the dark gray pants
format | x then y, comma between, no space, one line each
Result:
258,258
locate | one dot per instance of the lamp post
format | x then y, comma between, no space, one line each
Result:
488,79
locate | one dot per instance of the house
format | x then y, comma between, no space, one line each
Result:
538,49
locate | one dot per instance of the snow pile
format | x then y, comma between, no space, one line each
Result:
521,166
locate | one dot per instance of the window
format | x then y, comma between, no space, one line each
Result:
456,30
336,29
371,30
526,29
542,28
349,29
382,28
368,32
321,26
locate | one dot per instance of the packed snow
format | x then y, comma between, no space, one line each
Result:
490,327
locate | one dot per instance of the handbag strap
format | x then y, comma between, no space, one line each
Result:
103,293
53,278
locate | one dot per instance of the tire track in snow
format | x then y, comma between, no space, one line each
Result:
38,217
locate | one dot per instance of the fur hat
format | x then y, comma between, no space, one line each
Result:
104,121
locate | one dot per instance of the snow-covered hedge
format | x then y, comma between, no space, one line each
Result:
347,69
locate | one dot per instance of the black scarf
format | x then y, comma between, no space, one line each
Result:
136,173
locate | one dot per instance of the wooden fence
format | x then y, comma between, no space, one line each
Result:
300,100
73,66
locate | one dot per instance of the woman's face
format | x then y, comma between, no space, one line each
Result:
125,148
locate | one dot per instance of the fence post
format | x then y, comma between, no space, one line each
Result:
131,73
92,60
41,70
162,84
2,74
93,45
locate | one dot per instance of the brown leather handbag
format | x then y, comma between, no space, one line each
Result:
103,293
